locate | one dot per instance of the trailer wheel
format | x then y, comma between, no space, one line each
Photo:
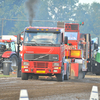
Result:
35,77
60,77
66,77
24,76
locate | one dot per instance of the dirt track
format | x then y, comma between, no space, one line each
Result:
48,89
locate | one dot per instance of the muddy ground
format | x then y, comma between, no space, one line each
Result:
48,89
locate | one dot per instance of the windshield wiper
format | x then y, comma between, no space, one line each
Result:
31,43
34,42
50,42
47,42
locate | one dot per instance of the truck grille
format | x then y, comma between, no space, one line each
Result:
41,57
40,65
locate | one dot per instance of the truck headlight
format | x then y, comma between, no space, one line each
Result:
26,70
25,63
54,70
55,64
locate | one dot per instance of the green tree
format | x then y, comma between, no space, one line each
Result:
10,9
61,9
95,18
55,10
82,14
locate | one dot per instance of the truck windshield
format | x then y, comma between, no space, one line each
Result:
42,38
71,35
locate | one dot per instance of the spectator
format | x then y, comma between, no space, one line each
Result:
29,38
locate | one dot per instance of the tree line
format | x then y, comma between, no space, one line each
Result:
14,15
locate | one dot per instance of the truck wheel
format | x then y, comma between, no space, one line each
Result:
66,77
30,77
60,77
35,77
24,76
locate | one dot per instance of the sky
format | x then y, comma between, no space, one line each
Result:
89,1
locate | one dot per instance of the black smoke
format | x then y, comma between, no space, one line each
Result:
31,6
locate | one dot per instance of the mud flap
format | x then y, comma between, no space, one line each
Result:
74,70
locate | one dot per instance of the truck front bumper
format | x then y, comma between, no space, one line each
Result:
41,71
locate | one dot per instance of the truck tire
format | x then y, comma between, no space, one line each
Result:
14,60
35,77
24,76
66,77
60,77
30,77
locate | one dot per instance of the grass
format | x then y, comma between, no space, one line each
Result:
10,75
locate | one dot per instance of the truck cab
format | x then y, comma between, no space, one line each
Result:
43,53
75,54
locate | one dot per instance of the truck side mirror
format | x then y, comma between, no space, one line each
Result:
65,40
18,38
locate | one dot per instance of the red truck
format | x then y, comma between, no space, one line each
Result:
77,50
43,53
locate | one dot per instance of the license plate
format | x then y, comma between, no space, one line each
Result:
40,71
